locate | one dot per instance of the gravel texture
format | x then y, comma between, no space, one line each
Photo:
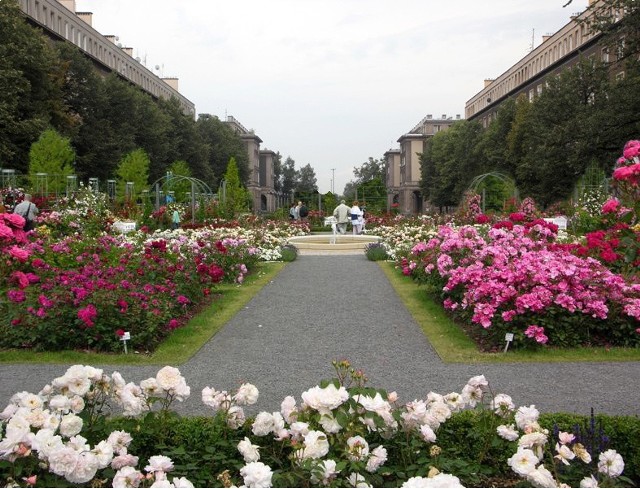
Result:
322,308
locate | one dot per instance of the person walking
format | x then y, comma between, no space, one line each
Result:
341,213
356,215
28,210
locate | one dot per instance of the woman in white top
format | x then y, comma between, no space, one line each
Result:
356,216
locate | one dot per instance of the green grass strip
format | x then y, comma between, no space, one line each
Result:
454,346
183,343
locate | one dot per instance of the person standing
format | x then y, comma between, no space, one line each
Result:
28,210
341,213
303,212
292,211
356,215
296,211
175,219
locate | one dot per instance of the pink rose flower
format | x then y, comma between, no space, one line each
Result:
610,206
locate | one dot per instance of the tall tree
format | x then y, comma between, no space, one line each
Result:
277,172
307,182
53,155
237,197
289,176
133,168
25,86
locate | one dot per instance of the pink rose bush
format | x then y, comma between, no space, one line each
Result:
90,428
509,278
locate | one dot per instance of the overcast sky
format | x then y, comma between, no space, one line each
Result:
329,82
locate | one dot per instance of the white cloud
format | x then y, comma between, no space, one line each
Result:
330,82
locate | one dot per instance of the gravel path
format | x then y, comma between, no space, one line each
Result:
321,308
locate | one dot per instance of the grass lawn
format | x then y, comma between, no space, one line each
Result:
182,343
454,346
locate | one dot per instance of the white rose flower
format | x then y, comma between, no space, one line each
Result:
357,480
508,432
440,411
590,481
124,460
120,441
70,425
358,448
523,461
60,404
248,451
298,430
330,424
46,442
127,477
502,404
63,461
159,463
263,424
526,415
325,400
472,395
564,454
455,401
182,482
85,470
151,388
478,381
534,441
247,395
235,417
439,480
610,463
427,433
329,472
169,378
216,400
31,401
376,459
76,404
161,484
541,477
316,445
288,409
256,474
104,453
582,453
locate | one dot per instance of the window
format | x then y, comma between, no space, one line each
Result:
539,89
531,95
605,55
620,76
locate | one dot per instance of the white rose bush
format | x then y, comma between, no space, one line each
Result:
91,429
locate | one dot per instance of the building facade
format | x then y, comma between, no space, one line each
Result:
402,166
557,53
260,183
60,21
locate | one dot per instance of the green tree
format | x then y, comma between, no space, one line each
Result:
307,182
561,133
277,172
133,168
51,154
450,162
237,199
289,176
179,186
26,90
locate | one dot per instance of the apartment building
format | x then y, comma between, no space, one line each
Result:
557,53
261,176
60,21
402,166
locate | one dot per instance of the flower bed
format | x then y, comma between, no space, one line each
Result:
85,290
342,434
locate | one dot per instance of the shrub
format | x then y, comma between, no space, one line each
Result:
289,252
376,252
